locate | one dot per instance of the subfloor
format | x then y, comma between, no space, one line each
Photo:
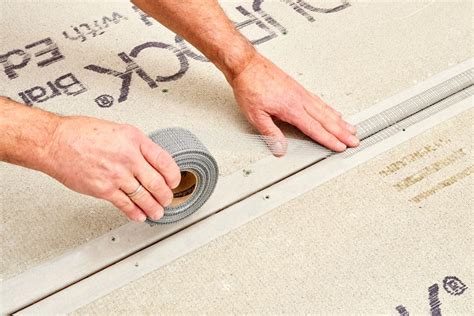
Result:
352,58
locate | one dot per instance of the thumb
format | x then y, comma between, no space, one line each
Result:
272,135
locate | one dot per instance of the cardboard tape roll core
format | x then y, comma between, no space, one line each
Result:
185,189
199,172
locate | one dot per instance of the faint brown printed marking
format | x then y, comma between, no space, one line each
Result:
443,184
406,160
429,170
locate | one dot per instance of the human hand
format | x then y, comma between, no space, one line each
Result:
108,161
264,92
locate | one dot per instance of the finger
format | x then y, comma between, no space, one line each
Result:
351,128
121,201
315,131
162,161
324,108
342,134
334,114
335,127
273,136
154,183
143,199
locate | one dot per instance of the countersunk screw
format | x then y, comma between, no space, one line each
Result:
247,172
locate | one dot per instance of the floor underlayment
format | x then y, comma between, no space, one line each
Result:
352,58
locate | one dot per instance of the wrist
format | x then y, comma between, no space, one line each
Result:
46,158
234,59
27,134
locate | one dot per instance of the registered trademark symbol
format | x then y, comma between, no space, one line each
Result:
453,285
104,101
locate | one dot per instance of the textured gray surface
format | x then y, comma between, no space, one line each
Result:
191,156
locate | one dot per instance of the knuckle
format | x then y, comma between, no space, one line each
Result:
162,159
314,126
252,118
293,115
334,128
160,190
123,204
116,174
131,131
259,117
106,191
265,129
156,184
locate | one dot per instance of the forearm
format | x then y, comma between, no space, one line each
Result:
204,24
26,134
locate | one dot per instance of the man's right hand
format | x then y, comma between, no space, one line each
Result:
108,161
91,156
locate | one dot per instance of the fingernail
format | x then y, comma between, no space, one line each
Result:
158,214
354,140
340,147
141,218
277,148
175,185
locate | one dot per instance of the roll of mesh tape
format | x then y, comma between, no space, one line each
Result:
199,172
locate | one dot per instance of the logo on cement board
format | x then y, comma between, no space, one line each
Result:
452,285
46,52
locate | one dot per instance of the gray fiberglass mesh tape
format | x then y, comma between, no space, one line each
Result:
200,172
258,143
409,112
406,123
416,104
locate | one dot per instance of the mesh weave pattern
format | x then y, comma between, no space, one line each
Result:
190,155
401,116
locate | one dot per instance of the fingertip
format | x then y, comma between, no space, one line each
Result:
278,148
176,181
339,147
140,218
353,141
157,214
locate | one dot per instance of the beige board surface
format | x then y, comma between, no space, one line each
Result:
356,244
352,58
